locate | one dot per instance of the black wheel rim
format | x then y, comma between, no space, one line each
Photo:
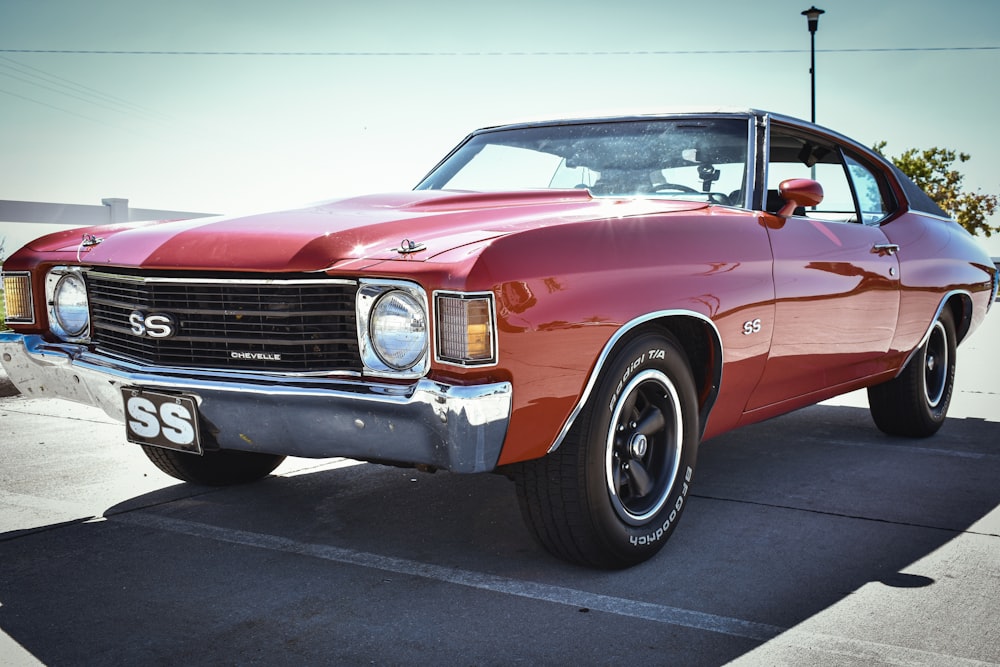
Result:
644,445
936,365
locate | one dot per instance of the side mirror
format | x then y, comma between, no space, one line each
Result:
799,192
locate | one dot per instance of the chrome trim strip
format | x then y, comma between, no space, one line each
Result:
235,374
995,290
750,165
814,128
163,377
606,352
930,327
217,281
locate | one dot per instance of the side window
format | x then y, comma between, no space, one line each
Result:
798,155
869,189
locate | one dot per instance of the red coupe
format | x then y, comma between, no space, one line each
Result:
576,304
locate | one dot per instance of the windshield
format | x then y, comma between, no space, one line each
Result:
689,158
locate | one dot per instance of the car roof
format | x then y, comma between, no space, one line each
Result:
605,116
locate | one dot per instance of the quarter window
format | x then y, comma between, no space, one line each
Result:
869,191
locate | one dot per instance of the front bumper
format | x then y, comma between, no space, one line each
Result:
458,428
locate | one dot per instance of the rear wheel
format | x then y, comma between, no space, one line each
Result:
213,468
915,403
612,493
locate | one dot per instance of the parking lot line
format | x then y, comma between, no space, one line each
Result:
815,643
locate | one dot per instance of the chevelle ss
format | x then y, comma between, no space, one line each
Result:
575,304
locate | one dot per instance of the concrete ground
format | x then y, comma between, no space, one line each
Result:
810,539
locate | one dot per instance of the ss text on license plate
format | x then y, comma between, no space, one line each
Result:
161,420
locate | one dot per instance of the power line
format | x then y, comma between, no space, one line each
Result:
68,92
53,83
73,89
57,108
439,54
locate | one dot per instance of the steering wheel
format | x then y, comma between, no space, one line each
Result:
671,186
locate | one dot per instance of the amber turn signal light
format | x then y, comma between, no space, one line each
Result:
17,298
465,329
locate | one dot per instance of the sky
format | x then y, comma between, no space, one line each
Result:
237,105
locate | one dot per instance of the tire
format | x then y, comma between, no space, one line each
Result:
915,403
612,494
213,468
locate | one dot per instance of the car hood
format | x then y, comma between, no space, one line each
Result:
370,228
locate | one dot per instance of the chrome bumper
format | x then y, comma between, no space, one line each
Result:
458,428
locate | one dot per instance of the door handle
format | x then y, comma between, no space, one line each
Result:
885,248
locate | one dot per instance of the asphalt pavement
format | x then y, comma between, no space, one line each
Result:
809,539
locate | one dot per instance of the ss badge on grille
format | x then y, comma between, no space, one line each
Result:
154,325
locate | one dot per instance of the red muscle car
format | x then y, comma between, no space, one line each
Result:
576,304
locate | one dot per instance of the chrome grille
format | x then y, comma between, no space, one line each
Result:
294,324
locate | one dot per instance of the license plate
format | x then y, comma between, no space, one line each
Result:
162,420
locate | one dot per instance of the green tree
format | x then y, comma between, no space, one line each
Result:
932,170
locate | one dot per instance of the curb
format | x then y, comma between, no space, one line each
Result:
7,387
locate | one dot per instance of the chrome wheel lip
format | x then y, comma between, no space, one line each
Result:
936,364
672,439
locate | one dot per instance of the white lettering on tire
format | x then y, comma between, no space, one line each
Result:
654,353
661,530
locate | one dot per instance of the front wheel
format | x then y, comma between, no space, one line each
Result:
915,403
612,494
213,468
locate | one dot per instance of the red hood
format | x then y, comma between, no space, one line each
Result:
370,227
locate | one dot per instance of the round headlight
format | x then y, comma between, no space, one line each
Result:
69,305
398,328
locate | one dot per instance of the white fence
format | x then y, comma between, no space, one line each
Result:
22,221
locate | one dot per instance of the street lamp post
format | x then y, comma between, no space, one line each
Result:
812,15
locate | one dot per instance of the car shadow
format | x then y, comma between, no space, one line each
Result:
787,518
